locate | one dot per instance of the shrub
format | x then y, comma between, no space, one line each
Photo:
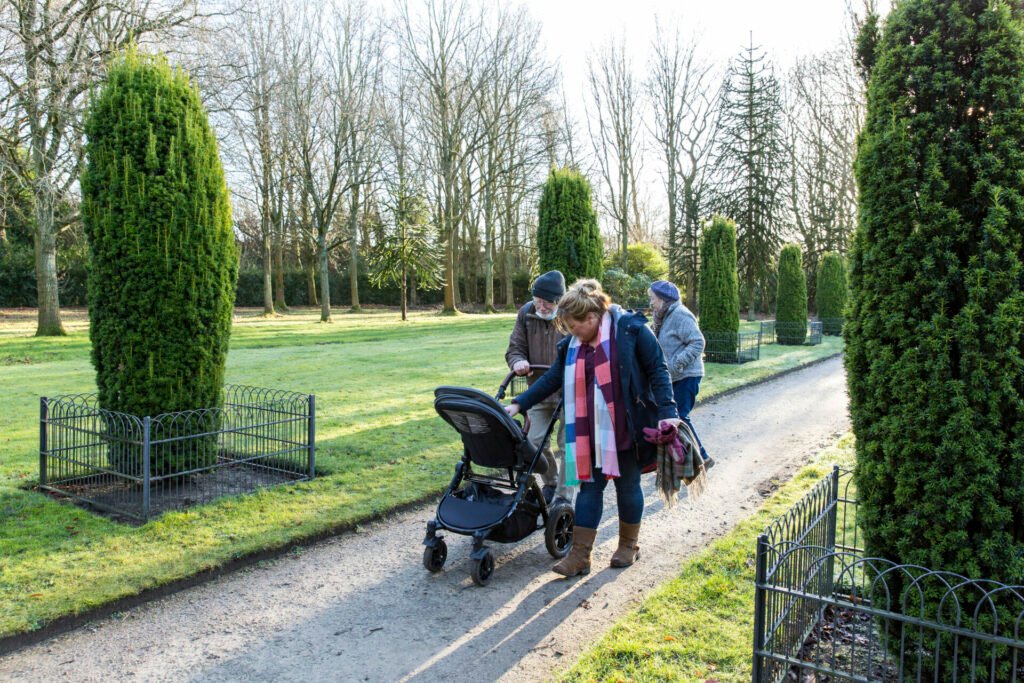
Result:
791,299
830,293
156,211
935,326
568,238
627,290
641,259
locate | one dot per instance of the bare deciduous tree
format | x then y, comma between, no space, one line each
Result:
448,51
679,86
50,55
614,125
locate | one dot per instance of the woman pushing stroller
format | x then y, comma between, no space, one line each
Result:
615,382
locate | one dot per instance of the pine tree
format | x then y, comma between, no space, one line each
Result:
791,297
830,293
935,332
751,163
568,238
718,297
406,251
156,211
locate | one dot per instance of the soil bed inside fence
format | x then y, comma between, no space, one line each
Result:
227,479
844,638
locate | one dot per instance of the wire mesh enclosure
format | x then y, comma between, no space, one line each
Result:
140,467
725,347
767,331
823,611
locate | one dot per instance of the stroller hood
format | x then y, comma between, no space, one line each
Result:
491,437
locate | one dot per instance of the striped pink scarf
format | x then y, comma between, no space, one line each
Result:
582,420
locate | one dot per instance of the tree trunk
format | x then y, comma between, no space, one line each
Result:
311,298
405,279
325,283
268,294
47,288
353,266
753,298
279,302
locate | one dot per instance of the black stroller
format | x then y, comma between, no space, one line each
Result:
500,506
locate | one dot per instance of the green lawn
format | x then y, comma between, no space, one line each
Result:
379,445
699,626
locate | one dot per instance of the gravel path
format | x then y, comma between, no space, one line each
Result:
360,607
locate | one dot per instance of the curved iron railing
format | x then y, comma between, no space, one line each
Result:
141,466
822,608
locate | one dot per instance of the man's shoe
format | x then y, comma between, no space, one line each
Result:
709,462
549,494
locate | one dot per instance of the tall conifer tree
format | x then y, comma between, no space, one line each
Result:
568,238
935,336
156,211
751,164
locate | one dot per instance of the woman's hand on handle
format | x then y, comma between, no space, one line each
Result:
512,409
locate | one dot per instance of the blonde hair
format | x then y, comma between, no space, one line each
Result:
582,298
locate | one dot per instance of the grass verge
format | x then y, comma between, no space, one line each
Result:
380,447
699,626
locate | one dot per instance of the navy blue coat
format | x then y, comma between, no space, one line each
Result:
643,373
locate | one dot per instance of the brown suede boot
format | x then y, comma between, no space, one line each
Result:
578,560
628,551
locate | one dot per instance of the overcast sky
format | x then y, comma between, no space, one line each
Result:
785,28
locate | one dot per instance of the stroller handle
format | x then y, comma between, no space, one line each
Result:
511,375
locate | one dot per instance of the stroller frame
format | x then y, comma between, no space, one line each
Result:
517,489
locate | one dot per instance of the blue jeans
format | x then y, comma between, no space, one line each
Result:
628,495
685,392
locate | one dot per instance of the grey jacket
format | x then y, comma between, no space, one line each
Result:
682,343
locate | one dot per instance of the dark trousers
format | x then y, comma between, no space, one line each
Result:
685,392
628,494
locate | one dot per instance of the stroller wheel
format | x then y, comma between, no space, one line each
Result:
558,532
434,557
483,569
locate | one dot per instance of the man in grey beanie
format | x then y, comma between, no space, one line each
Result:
532,342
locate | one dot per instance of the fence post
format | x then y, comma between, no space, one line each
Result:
759,344
44,415
145,467
311,436
830,539
760,577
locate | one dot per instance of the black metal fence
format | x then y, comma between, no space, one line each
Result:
823,611
832,326
814,330
140,467
775,332
725,347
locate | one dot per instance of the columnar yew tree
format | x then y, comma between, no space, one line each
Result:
156,211
718,298
935,335
830,293
568,238
791,297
